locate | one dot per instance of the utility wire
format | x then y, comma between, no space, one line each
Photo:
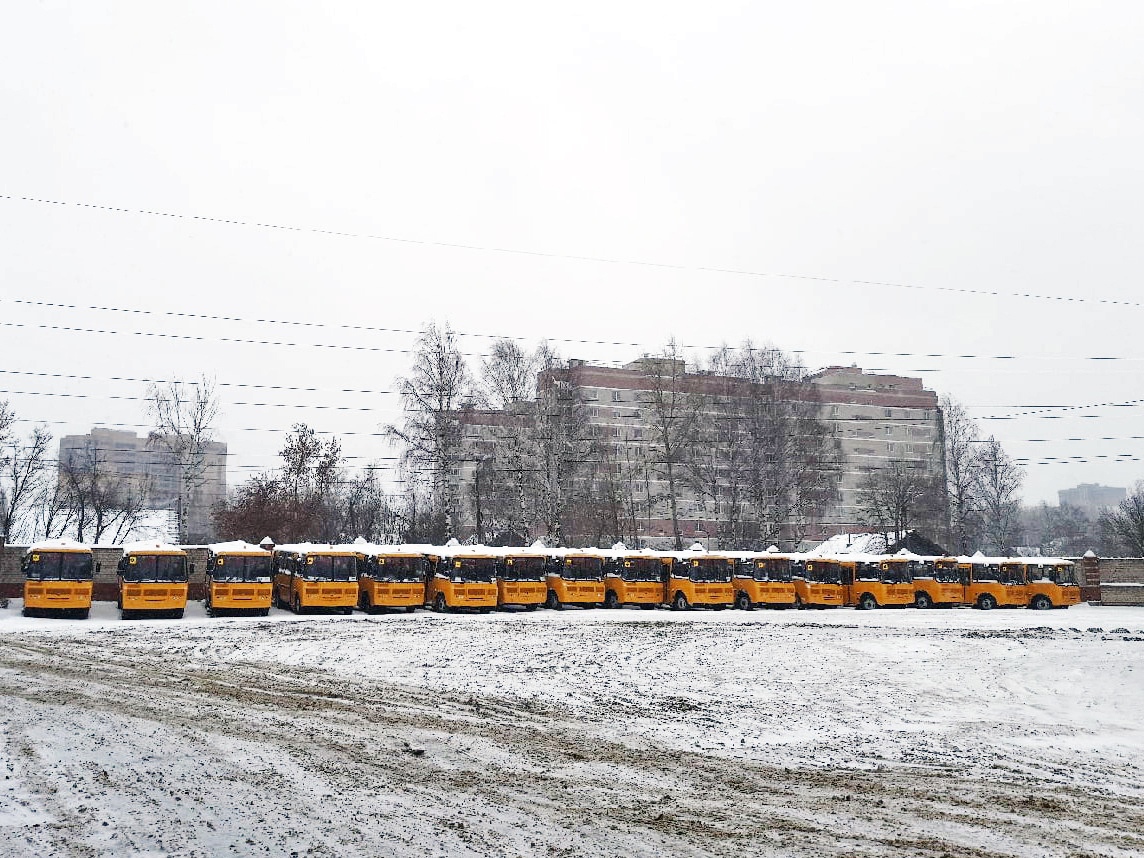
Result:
708,269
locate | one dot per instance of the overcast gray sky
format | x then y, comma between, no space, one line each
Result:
975,153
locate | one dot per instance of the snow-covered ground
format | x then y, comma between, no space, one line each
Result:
926,733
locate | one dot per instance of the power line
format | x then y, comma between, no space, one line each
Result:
667,266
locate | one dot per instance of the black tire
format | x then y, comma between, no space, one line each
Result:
867,602
553,602
680,603
296,605
743,602
798,602
922,600
1041,602
611,600
986,602
440,605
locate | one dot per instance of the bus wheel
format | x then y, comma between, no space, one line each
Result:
679,603
440,605
1040,603
611,600
743,602
867,602
986,602
553,601
922,600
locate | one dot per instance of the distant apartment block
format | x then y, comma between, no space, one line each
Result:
873,418
1092,498
151,470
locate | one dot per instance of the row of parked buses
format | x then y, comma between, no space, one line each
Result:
243,578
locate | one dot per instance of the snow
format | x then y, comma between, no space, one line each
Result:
592,733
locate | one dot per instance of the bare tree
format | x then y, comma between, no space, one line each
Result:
999,481
25,468
895,498
671,418
102,503
432,396
962,476
1124,525
183,415
562,444
509,375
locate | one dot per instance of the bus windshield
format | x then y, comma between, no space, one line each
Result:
708,571
823,572
1058,574
155,567
637,569
523,569
771,569
329,567
241,567
582,569
58,566
471,569
398,569
898,572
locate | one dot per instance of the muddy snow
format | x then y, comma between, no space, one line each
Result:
627,733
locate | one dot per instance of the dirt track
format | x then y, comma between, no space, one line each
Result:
150,754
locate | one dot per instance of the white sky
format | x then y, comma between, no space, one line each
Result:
961,148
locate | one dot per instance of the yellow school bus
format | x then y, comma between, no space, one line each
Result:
1050,582
633,578
696,578
391,577
937,583
522,577
817,582
763,578
462,576
238,579
152,578
310,576
58,579
876,581
992,582
575,576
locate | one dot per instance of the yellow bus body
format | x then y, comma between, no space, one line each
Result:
819,584
634,578
462,577
876,582
1050,583
302,578
939,584
58,579
992,582
764,581
391,580
682,591
143,588
522,580
230,583
575,578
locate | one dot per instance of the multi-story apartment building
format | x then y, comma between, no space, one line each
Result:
870,419
150,470
1092,498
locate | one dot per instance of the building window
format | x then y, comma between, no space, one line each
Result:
616,397
593,412
591,395
889,430
889,412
